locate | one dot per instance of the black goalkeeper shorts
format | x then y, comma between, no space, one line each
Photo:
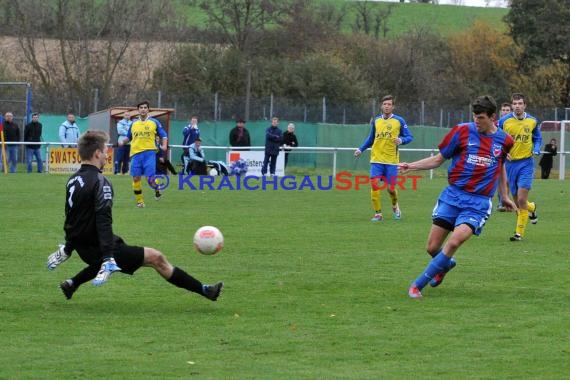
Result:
129,258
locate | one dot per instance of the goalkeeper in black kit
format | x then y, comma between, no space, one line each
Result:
88,230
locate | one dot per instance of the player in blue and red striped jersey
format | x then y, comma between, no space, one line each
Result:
478,151
387,132
525,131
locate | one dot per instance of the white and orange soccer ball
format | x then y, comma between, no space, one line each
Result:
208,240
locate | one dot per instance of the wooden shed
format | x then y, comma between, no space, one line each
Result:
106,120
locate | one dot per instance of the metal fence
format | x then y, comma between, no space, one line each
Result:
218,106
424,113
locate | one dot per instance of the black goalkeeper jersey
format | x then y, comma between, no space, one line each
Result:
88,215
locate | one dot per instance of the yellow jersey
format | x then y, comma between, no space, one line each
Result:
142,135
383,131
526,134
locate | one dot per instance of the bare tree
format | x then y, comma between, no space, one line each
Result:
241,22
308,27
364,17
382,16
82,44
372,19
243,25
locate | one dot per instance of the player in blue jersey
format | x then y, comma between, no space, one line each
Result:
387,132
525,131
477,151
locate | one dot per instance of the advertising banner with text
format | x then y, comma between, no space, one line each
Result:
67,161
254,161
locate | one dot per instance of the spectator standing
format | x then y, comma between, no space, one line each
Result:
550,150
33,133
69,131
289,141
273,141
191,132
122,155
239,135
12,134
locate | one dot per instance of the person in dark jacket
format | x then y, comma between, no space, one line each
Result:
273,141
33,133
546,160
163,164
190,132
239,135
12,134
289,141
89,231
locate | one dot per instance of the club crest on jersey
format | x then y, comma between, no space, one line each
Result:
497,149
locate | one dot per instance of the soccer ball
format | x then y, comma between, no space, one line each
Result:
208,240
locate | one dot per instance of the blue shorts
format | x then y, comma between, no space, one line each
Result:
520,174
143,163
455,206
385,172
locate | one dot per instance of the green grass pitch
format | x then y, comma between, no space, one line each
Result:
314,290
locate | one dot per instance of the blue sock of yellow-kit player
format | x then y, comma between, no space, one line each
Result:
438,264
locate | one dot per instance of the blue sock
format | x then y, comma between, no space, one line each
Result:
438,264
452,263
